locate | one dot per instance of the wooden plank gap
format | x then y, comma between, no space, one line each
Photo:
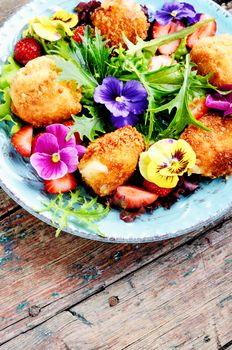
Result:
227,346
10,212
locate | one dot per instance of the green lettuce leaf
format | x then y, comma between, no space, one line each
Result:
88,127
8,73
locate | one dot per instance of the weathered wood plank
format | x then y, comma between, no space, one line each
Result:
8,7
62,271
6,203
181,301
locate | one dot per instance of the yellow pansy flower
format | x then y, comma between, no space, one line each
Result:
165,161
45,28
48,29
69,19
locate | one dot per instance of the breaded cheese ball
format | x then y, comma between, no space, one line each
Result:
214,54
40,100
120,16
213,148
111,160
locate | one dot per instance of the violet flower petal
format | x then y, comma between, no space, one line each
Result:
80,150
46,168
117,108
163,18
217,101
61,131
193,20
69,156
47,143
187,10
120,122
175,10
134,91
110,89
189,7
172,6
137,107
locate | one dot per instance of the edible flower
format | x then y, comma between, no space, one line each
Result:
165,161
125,101
70,19
49,29
220,102
175,10
54,156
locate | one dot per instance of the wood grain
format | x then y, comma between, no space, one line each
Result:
8,7
36,269
182,301
6,204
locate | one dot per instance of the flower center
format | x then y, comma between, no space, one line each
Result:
173,13
55,157
119,99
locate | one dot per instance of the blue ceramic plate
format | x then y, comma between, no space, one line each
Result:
194,213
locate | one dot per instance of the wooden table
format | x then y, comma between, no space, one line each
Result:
71,293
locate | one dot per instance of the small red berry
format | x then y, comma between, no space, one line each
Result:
79,32
26,50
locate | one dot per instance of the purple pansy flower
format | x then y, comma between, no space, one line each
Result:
54,157
124,101
220,102
118,122
175,10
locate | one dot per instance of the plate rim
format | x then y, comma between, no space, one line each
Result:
200,227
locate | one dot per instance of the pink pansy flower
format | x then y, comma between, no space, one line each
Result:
54,157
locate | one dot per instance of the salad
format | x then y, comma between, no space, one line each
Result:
116,106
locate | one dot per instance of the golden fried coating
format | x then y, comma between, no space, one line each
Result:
111,160
120,16
213,148
38,99
214,54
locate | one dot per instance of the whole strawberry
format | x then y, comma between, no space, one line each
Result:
26,50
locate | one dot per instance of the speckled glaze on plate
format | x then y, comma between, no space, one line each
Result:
194,213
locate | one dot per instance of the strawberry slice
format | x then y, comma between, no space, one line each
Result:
160,191
202,32
64,184
198,107
131,197
159,30
70,123
22,140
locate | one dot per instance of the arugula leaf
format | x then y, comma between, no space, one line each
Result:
153,45
77,208
183,115
87,127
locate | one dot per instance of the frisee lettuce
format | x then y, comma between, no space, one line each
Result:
76,208
88,127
